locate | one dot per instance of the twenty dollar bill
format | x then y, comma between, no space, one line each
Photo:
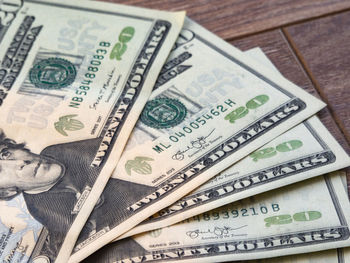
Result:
74,77
212,105
304,151
309,216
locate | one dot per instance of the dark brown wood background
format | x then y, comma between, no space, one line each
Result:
307,40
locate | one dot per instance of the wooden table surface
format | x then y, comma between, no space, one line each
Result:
307,40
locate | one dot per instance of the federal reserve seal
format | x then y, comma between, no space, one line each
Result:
163,113
52,73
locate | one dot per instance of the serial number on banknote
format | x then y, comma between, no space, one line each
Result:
93,67
200,121
234,213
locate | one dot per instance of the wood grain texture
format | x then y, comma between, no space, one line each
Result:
233,18
323,46
277,48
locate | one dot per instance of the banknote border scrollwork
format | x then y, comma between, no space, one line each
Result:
4,28
226,149
143,203
123,98
156,24
213,249
212,193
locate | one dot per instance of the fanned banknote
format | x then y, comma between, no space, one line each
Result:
74,77
304,151
212,105
308,216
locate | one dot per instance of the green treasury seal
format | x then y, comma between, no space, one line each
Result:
163,113
52,73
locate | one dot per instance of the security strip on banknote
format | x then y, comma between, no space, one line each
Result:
308,216
212,105
304,151
74,77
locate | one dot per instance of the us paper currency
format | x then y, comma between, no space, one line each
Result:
305,151
340,255
305,217
74,77
212,105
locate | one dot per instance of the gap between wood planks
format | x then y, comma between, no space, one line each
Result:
281,26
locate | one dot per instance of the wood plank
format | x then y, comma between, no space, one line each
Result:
277,48
323,47
233,18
